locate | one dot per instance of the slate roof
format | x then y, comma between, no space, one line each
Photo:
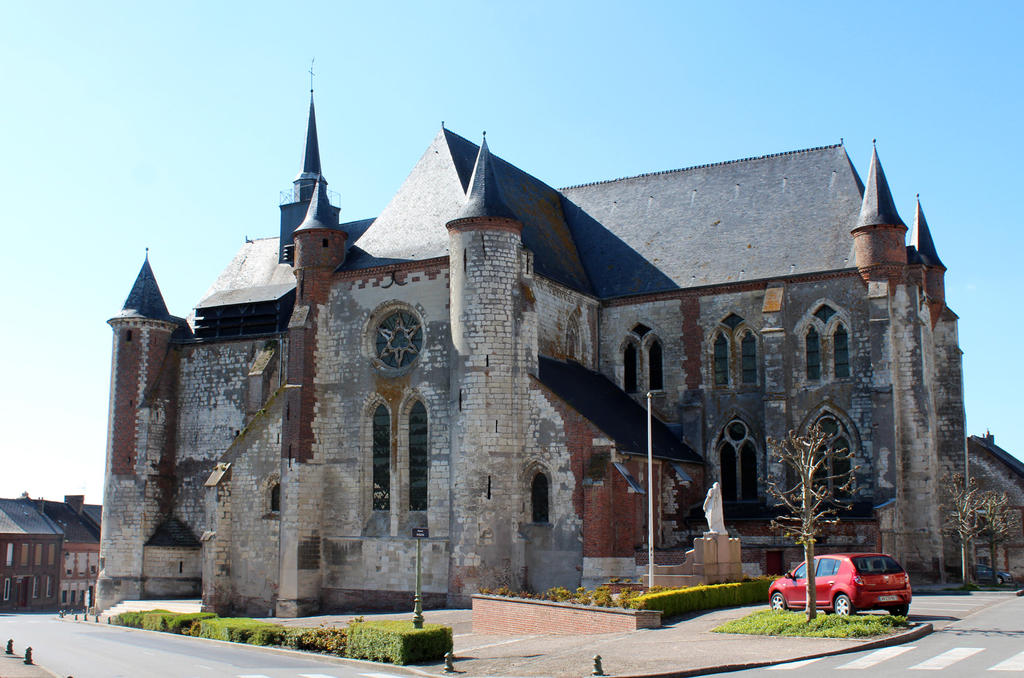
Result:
173,532
95,513
750,219
1015,464
610,409
22,516
311,153
319,214
484,195
413,225
145,300
921,239
878,208
255,265
246,295
77,529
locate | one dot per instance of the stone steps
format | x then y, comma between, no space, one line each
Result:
176,606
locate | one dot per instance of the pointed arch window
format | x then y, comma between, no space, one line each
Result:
812,343
275,498
629,367
748,350
573,345
418,458
839,461
654,366
841,352
737,459
721,360
539,498
381,459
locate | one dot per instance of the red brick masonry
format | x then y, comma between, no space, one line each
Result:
495,614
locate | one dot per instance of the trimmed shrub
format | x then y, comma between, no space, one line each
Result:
182,623
156,621
398,642
322,639
241,630
680,601
134,620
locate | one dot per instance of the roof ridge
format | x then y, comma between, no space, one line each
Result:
709,164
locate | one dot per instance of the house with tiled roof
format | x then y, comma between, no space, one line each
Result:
477,362
30,546
80,552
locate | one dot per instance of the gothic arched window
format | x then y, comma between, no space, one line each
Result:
539,498
737,458
748,350
654,366
381,459
418,458
629,369
841,352
275,498
721,360
838,440
812,343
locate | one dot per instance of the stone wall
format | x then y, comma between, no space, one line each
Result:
493,615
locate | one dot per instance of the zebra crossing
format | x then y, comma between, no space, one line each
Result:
937,662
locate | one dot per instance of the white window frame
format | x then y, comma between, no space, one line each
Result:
7,588
10,554
35,587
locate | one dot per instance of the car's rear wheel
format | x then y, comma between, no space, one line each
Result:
900,611
843,605
1000,580
778,601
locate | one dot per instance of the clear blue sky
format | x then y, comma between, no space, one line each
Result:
175,126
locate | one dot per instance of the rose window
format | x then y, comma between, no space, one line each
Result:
399,339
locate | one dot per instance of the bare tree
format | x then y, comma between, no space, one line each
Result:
962,501
818,480
997,522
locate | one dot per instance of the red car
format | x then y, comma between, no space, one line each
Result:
845,583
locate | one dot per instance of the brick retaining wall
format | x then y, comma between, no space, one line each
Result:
493,614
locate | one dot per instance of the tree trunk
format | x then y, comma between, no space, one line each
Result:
812,589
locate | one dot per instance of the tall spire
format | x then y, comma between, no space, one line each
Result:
145,300
921,239
311,159
878,209
320,213
484,199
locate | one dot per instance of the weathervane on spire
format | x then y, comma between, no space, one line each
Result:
312,61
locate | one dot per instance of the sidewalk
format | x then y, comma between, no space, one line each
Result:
683,647
14,666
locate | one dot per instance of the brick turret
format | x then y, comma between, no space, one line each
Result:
142,338
879,237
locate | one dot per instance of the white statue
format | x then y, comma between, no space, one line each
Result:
713,511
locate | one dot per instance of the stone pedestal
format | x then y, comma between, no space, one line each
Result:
714,559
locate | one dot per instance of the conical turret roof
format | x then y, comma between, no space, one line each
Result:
921,239
320,214
145,300
311,157
877,208
484,199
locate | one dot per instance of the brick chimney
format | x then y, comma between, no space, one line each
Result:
75,501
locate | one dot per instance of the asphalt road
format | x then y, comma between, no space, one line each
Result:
975,636
102,651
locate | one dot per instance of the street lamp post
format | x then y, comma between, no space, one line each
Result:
650,497
417,610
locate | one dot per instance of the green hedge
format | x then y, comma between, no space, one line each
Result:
242,630
322,639
134,620
680,601
398,642
181,623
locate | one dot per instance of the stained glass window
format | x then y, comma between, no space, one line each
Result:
748,348
813,345
381,459
399,339
721,360
539,498
418,461
841,349
654,366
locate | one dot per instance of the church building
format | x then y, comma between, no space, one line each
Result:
475,363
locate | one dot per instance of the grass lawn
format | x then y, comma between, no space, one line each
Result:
783,623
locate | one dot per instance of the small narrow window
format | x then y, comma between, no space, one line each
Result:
640,329
181,566
418,458
539,498
128,335
824,313
654,366
629,365
748,348
813,344
381,459
275,498
326,243
841,349
721,360
732,321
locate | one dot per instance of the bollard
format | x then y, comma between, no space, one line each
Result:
10,646
28,655
76,616
97,619
598,671
449,662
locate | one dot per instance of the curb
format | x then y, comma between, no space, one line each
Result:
920,631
